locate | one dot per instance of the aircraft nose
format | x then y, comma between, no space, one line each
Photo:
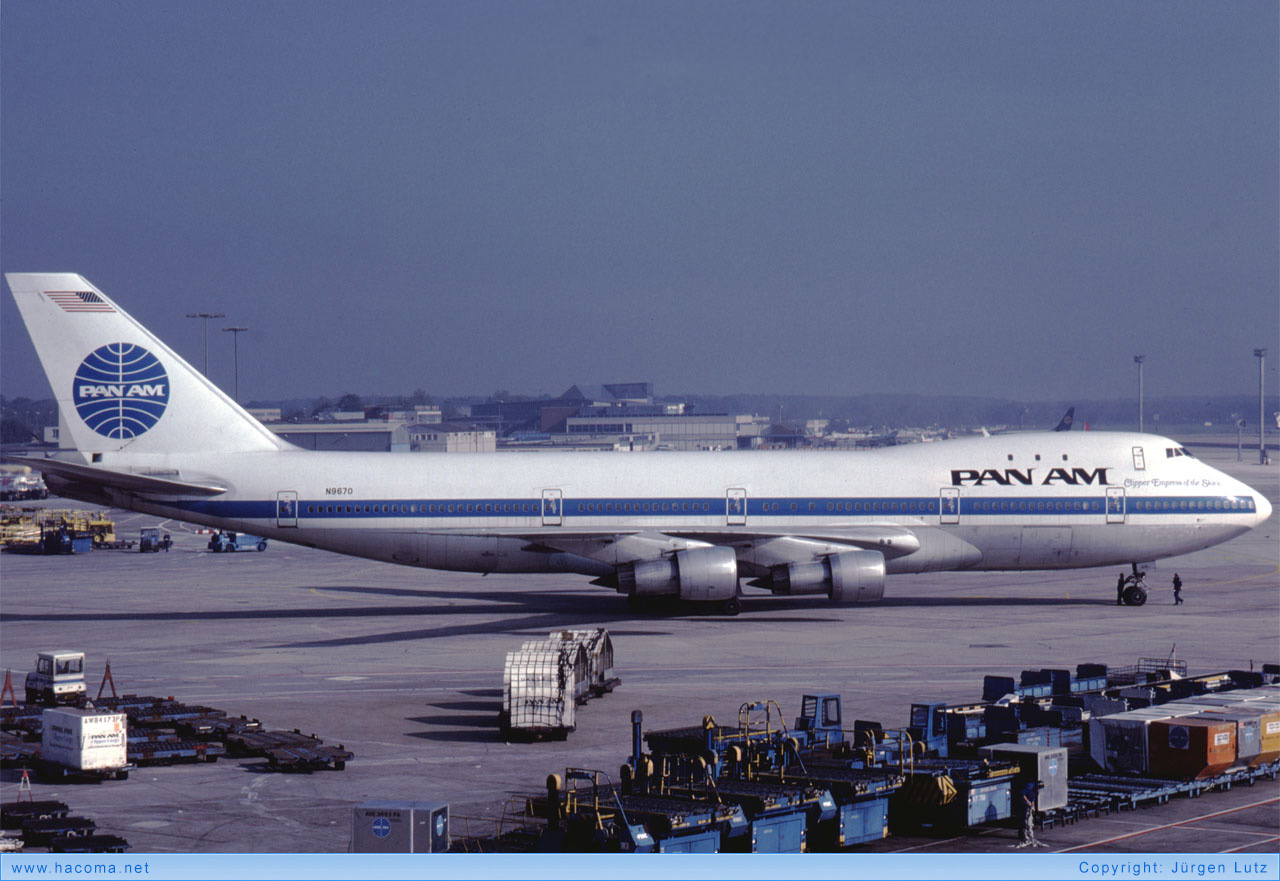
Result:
1262,506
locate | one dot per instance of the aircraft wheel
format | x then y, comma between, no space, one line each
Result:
1134,596
730,606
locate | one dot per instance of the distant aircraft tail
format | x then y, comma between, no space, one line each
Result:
119,389
1065,424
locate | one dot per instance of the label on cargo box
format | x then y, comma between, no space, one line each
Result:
1222,739
1273,727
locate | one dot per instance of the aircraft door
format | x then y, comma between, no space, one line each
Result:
736,507
1115,504
286,508
552,505
949,505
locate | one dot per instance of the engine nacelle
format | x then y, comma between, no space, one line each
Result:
851,577
700,575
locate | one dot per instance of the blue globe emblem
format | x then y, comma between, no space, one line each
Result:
121,390
382,827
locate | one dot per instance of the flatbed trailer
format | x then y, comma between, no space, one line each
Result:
289,750
88,844
13,814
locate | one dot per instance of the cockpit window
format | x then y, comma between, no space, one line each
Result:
1171,452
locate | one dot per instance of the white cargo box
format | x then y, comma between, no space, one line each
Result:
599,649
572,654
538,692
85,740
400,827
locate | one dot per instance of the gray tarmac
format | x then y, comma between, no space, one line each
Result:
404,667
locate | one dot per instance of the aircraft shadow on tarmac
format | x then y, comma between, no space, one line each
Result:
542,613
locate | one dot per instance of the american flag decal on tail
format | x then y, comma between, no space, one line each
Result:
79,301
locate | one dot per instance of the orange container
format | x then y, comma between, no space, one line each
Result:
1191,747
1269,731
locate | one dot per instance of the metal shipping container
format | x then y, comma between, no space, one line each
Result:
1044,764
1191,747
1248,731
1268,746
400,827
85,740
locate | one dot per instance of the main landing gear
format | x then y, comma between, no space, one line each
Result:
1135,591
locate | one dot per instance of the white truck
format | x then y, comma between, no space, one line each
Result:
85,742
57,679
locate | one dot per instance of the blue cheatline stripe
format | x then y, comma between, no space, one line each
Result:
835,507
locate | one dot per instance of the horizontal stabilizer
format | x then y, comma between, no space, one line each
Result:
124,480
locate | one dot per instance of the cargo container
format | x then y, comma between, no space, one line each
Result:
400,827
1046,765
1268,731
538,694
1248,731
85,740
1119,742
573,655
599,649
1191,747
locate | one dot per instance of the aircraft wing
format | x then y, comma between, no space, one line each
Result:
613,547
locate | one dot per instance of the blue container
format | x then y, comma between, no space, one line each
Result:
981,801
783,833
863,821
698,842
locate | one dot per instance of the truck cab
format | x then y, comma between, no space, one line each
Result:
819,720
57,679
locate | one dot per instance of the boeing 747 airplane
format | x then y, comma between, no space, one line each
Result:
151,434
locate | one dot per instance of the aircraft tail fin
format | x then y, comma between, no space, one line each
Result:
1065,424
118,387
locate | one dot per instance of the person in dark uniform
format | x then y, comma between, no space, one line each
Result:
1177,590
1027,802
1120,590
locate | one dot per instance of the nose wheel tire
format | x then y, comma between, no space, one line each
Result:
1134,595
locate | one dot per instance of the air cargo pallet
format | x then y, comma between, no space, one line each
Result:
88,844
289,750
39,833
171,750
14,814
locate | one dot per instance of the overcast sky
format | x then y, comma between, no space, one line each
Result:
1006,199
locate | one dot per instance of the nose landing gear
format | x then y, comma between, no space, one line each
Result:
1135,591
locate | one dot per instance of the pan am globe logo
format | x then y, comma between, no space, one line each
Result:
121,390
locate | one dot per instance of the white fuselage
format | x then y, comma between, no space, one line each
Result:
1016,501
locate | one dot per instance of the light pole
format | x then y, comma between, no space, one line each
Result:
1138,359
1261,355
206,316
235,335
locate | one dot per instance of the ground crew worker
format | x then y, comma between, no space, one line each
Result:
1177,590
1120,590
1027,835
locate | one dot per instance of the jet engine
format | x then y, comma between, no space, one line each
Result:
850,577
700,575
